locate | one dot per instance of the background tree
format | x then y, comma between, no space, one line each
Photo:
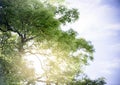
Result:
88,81
23,22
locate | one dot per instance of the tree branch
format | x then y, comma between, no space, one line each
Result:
11,28
45,81
30,38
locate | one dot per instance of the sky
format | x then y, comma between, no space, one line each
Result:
100,23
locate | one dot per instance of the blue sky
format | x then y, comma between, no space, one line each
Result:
100,23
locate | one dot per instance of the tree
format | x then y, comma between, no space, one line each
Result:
88,81
25,21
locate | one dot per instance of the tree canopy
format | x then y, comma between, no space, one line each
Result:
26,22
88,81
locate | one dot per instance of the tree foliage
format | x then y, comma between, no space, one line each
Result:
88,81
25,21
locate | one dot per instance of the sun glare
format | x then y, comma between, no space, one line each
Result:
37,62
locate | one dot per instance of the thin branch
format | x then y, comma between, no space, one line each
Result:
10,28
30,38
45,81
35,54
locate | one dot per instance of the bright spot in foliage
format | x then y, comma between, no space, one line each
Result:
37,62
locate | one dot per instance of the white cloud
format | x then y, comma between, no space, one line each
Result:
113,26
95,19
102,68
116,47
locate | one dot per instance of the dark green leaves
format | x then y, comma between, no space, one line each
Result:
67,15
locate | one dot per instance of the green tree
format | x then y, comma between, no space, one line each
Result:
23,22
88,81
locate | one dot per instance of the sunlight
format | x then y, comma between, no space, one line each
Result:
37,62
43,61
